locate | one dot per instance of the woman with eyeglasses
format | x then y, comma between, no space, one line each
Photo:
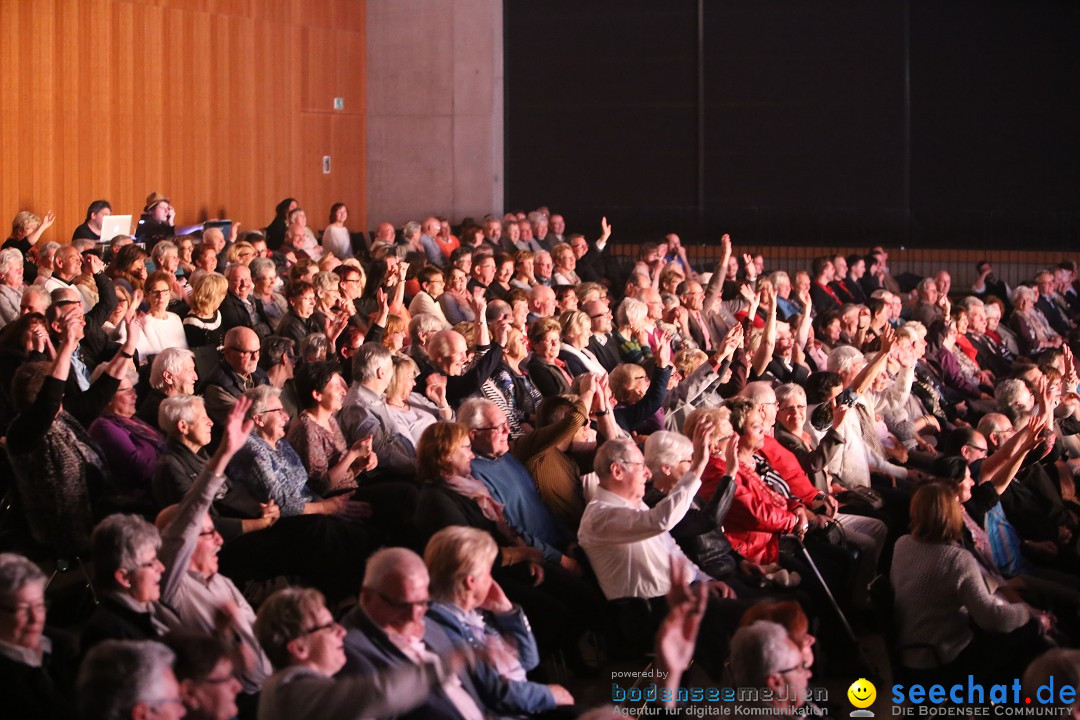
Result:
161,328
37,672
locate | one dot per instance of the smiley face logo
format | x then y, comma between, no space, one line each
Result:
862,693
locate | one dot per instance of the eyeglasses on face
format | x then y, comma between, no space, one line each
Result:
402,605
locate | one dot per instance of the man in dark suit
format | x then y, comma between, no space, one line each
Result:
590,259
692,297
388,629
823,296
601,344
1049,306
240,308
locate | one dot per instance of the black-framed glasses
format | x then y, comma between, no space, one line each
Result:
978,448
208,533
273,410
241,351
402,604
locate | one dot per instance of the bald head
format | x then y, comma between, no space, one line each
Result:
390,565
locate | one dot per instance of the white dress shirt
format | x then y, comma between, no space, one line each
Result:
628,544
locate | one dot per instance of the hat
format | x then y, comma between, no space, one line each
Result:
153,199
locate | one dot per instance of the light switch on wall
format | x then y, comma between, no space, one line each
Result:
326,164
339,103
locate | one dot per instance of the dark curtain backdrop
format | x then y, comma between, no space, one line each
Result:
921,123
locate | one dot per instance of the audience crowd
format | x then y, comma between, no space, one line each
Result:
434,475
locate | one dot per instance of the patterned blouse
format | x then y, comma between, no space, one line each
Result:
319,449
269,473
515,395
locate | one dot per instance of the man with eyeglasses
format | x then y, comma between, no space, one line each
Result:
601,343
631,550
191,584
510,483
239,371
388,630
240,308
764,656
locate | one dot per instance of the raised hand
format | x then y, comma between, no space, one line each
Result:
237,428
703,440
605,229
436,389
48,220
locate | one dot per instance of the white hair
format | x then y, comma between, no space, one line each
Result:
759,651
169,361
666,448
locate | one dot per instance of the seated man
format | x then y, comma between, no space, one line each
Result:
447,351
631,551
363,411
239,371
763,656
307,650
510,483
388,629
192,585
129,679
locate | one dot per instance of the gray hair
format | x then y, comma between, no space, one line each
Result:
1007,393
161,248
453,554
274,349
631,308
314,347
177,408
471,412
424,323
389,563
411,229
325,282
790,390
777,275
368,359
759,651
168,360
757,392
116,543
40,291
16,572
1022,291
1062,664
666,448
117,675
926,283
260,397
47,252
843,357
971,302
619,450
260,264
9,258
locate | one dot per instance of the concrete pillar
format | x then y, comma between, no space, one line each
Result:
434,109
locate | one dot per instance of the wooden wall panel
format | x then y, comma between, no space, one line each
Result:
202,100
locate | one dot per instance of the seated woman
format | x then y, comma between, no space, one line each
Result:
331,465
128,267
1033,331
130,447
55,462
203,325
451,495
37,671
949,623
475,611
409,410
160,328
454,300
269,469
511,388
630,336
574,351
546,370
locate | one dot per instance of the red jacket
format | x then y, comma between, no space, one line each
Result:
757,518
